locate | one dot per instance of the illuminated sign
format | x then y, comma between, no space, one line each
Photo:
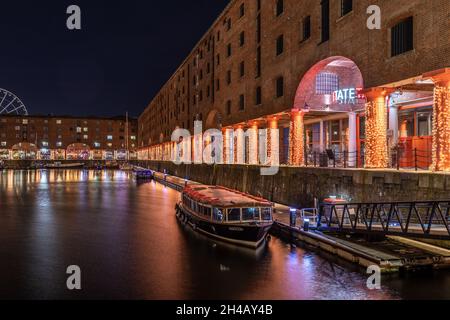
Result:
348,96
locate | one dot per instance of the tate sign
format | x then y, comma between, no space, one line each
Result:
348,96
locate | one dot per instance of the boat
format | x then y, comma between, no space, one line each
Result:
60,165
126,167
142,173
227,215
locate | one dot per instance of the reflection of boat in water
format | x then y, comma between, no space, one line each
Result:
126,167
204,242
142,173
226,215
60,165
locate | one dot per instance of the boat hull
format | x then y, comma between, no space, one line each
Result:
246,235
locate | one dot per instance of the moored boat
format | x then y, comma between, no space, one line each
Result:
226,215
142,173
60,165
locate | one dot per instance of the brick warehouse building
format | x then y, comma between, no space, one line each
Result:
313,69
66,138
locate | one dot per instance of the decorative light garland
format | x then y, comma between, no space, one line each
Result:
376,155
253,144
273,142
441,129
296,139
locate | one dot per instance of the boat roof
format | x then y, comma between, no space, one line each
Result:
223,197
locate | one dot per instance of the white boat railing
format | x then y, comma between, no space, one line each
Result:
310,215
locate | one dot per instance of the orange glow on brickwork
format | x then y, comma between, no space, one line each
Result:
296,139
376,131
441,128
273,143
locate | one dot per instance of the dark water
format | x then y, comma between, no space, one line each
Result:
129,245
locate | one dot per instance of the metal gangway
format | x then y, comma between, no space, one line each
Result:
421,219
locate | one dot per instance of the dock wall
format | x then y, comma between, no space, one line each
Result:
297,186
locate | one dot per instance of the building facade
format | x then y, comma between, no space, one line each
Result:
67,138
324,79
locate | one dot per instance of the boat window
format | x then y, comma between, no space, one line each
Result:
250,214
266,214
234,214
208,212
217,215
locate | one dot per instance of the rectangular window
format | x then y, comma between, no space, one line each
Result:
229,50
346,7
258,98
306,28
258,62
228,107
402,37
218,59
242,69
109,138
280,45
325,20
241,102
280,7
327,83
228,77
242,10
242,39
229,24
280,87
234,214
258,28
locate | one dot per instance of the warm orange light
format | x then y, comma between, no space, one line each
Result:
441,128
376,133
296,139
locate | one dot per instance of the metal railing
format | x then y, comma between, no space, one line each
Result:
416,218
400,158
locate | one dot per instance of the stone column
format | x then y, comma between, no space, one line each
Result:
321,137
296,139
239,146
228,146
253,144
441,121
376,155
393,124
273,142
352,140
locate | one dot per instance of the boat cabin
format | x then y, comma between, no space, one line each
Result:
223,205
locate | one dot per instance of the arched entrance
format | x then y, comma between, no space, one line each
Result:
325,119
24,151
213,120
78,151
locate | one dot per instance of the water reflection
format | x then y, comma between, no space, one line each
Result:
127,241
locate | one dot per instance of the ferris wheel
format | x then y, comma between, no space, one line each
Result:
10,104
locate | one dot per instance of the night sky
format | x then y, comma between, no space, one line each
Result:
124,53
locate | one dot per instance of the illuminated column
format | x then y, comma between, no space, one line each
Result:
198,144
253,144
352,141
296,139
207,155
240,146
376,154
321,137
273,142
393,124
228,146
441,122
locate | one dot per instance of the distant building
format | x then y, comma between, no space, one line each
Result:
66,138
314,70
